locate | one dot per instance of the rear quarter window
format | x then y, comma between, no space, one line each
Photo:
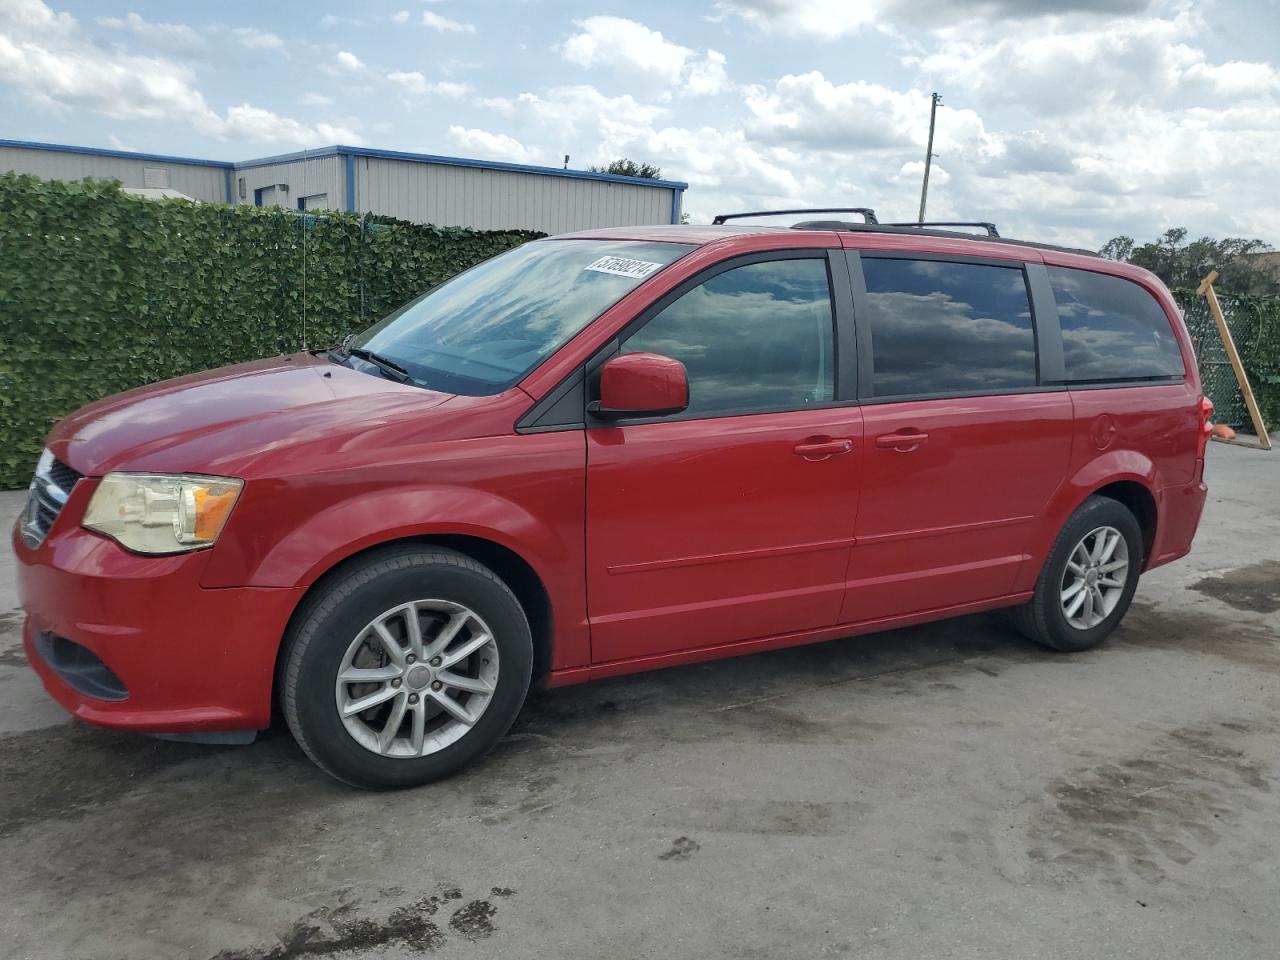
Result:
1112,329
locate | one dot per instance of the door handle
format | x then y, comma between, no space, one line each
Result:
902,442
819,449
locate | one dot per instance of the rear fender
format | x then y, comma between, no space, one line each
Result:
1107,468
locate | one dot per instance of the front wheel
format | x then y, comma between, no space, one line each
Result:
405,667
1088,579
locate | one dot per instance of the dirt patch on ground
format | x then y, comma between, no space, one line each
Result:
68,769
1147,812
682,848
1246,644
351,928
1255,588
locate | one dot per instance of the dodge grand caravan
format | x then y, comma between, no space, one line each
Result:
607,452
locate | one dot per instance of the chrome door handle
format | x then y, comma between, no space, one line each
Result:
902,442
822,449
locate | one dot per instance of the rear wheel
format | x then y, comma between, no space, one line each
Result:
1088,580
406,667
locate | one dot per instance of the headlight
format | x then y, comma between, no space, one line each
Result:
156,513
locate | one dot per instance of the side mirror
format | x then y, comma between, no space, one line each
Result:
641,385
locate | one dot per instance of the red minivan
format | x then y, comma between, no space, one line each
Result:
606,452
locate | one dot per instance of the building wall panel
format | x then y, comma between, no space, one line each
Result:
420,189
458,196
195,180
316,175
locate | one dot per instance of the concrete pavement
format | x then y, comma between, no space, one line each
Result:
944,791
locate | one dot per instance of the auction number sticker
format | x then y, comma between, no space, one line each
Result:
624,267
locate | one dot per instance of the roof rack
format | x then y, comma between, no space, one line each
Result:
984,224
868,215
915,229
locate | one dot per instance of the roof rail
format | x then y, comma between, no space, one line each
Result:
984,224
868,215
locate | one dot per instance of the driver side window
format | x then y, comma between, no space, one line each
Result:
755,338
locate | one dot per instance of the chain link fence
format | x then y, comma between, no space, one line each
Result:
1255,326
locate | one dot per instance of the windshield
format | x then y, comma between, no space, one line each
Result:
482,331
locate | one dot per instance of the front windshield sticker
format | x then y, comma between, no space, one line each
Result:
624,267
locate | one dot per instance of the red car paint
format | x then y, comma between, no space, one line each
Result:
656,543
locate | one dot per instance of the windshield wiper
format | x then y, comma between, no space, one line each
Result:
389,368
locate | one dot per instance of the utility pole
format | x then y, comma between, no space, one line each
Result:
928,155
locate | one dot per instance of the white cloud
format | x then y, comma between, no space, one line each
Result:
827,19
436,22
401,16
809,110
35,15
415,83
833,19
44,56
257,39
1069,122
619,42
490,146
1063,65
329,20
644,57
170,37
256,125
348,61
115,84
708,75
577,114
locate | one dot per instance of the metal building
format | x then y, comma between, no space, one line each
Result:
207,180
423,188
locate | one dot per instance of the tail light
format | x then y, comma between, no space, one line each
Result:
1206,424
1206,415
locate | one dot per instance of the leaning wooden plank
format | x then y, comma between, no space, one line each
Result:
1229,344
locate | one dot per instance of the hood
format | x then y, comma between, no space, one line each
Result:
208,421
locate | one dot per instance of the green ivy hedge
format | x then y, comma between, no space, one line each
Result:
101,291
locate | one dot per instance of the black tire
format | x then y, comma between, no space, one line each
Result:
1043,619
340,608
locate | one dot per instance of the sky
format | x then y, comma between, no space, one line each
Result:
1069,121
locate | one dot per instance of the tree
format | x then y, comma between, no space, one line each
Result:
629,168
1182,264
1118,248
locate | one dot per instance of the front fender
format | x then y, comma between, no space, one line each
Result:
325,537
348,527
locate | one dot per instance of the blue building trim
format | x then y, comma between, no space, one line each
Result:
351,183
228,172
348,151
677,200
287,158
493,165
121,154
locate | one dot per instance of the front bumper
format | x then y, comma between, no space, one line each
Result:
190,659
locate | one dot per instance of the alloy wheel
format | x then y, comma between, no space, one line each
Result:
417,678
1095,577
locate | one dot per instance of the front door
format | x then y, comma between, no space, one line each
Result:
734,519
964,447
